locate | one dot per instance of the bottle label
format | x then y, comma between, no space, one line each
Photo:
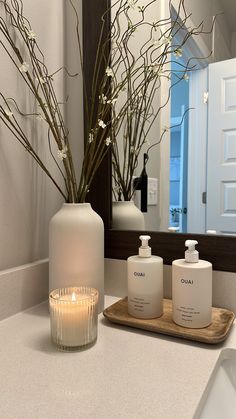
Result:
145,290
187,313
186,281
138,304
148,307
192,300
139,275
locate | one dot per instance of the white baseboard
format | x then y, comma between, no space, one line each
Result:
23,287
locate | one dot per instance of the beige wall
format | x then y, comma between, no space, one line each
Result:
73,85
204,11
233,44
28,198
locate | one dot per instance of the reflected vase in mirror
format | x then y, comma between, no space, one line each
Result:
126,216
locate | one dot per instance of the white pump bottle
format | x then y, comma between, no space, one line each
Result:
192,289
145,283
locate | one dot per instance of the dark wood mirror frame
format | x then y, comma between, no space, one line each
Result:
219,250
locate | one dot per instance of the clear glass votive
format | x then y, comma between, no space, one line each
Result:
74,315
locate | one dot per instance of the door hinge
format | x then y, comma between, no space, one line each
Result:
204,197
205,97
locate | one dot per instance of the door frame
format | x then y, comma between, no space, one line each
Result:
180,128
197,151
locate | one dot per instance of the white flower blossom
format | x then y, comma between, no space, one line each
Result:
156,67
109,72
62,154
24,67
8,113
91,138
103,98
108,141
178,52
111,101
101,124
186,77
31,35
167,40
205,97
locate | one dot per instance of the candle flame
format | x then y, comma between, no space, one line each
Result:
73,297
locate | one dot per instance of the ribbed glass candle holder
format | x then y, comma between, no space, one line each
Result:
74,314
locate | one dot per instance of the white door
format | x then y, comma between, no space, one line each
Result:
221,161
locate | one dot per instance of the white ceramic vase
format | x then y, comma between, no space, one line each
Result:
126,216
76,249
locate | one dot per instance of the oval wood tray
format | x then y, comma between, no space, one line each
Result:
216,332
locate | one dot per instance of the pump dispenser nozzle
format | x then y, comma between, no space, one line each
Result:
144,250
191,255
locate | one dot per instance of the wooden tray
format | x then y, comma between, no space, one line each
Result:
217,332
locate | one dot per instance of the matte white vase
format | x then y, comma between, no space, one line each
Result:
76,249
126,216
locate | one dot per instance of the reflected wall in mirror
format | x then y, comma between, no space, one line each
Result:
192,172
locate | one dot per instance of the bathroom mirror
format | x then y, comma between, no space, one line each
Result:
220,250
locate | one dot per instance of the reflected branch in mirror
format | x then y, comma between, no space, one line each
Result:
220,250
142,56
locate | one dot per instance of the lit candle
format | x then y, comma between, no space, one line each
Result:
73,313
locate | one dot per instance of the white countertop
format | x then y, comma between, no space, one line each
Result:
126,374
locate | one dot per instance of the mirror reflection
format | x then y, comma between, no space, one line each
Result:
191,174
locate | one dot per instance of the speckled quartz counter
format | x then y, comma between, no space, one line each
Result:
126,374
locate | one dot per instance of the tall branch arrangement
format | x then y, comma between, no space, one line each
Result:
122,93
141,57
20,43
